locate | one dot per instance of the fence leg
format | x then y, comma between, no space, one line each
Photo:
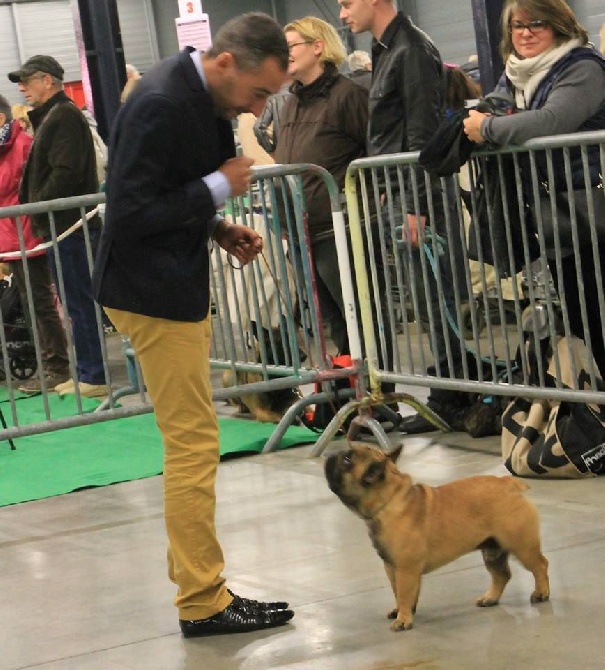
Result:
362,420
3,422
287,420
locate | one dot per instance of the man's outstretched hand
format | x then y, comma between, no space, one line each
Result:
240,241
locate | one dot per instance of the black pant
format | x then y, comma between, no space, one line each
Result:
569,276
51,332
331,304
428,292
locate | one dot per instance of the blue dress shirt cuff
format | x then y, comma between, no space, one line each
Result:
219,187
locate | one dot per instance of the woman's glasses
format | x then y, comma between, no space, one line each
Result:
536,26
296,44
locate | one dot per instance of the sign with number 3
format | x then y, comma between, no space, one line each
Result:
189,8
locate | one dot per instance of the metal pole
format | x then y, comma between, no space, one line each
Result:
486,18
99,44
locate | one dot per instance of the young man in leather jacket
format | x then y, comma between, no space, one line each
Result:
406,106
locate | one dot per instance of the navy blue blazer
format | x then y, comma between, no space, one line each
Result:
153,252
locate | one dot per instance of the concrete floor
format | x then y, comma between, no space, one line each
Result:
84,586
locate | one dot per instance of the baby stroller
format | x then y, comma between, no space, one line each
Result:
21,353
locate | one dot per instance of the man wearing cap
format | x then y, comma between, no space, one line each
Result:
62,164
15,144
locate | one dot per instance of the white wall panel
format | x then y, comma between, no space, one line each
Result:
9,55
48,28
138,36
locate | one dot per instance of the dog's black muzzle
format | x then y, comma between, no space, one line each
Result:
333,473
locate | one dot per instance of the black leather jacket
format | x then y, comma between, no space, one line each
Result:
406,97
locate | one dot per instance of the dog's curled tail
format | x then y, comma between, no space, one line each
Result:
517,483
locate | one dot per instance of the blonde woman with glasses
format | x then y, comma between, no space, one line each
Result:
323,122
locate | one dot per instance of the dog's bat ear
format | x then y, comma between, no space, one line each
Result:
395,453
374,473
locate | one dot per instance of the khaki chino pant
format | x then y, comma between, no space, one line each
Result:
174,358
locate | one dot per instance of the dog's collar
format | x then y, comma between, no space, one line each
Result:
376,512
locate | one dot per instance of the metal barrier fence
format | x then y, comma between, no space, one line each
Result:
267,329
21,349
295,321
268,333
417,306
491,272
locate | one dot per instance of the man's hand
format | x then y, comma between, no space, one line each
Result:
240,241
414,224
472,126
238,173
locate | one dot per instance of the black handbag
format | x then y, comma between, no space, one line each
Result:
448,149
561,229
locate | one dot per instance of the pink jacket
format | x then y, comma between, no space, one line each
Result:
13,154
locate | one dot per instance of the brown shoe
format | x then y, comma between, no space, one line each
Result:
51,379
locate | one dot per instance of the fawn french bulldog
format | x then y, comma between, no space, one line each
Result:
417,528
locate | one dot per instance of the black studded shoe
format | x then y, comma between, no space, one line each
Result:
257,604
236,618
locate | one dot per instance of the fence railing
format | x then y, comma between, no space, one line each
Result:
490,272
267,330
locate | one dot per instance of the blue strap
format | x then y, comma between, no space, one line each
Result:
441,244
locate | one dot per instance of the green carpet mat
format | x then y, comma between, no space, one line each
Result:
105,453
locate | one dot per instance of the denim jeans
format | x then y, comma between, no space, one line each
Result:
80,306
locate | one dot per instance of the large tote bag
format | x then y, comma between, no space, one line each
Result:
558,440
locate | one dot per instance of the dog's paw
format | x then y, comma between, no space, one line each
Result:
539,597
487,602
392,614
399,624
267,416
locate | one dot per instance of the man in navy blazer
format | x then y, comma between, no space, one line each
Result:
172,164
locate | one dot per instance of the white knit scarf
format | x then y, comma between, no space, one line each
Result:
526,73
